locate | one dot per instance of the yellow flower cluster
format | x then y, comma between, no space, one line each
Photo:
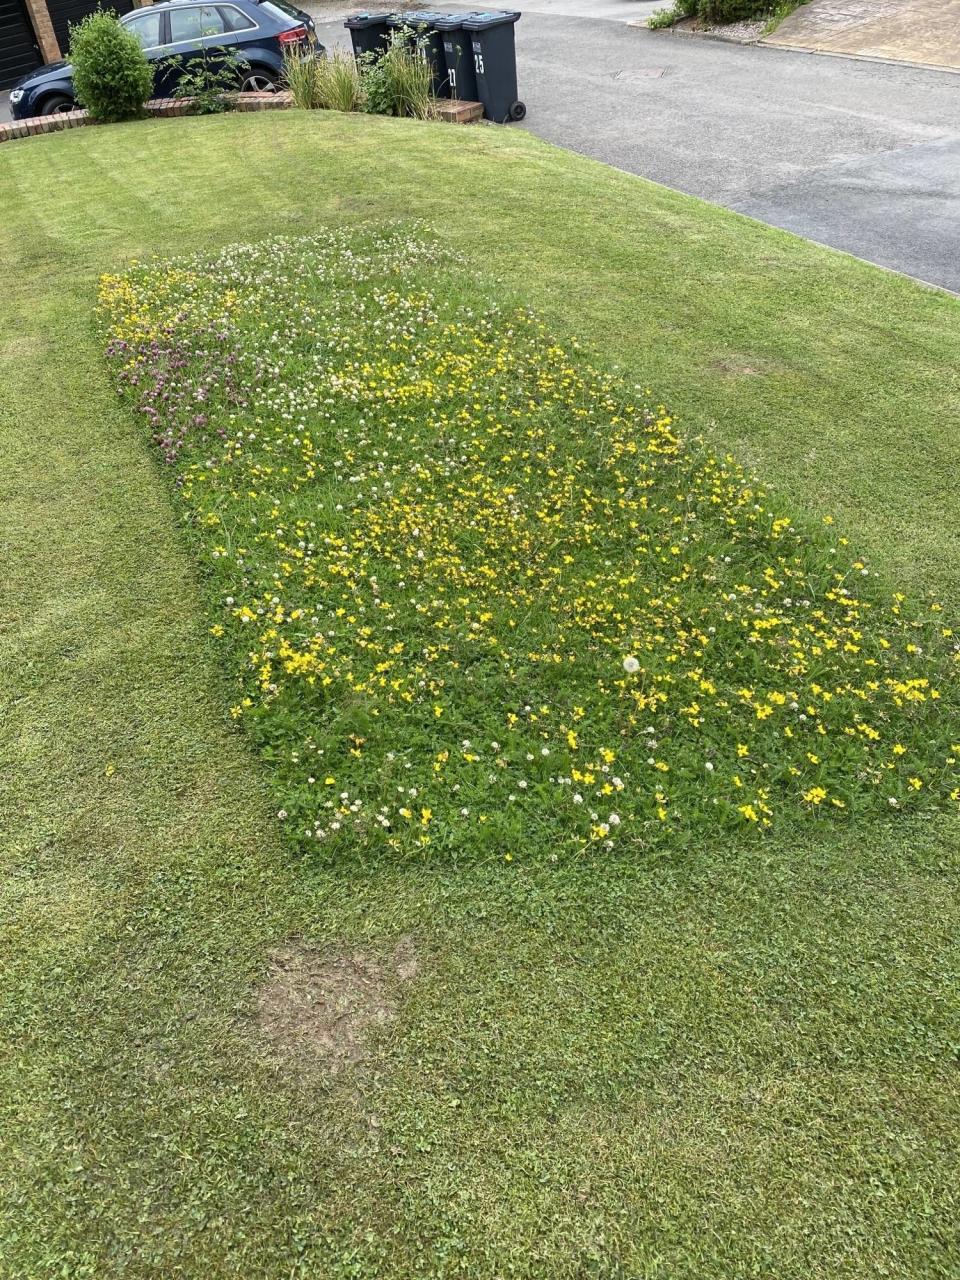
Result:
480,596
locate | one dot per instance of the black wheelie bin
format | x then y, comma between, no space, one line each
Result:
370,32
429,41
495,63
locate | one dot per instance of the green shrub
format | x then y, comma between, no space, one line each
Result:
211,81
720,12
400,81
723,11
667,17
111,75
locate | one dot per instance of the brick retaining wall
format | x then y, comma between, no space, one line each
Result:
157,107
453,111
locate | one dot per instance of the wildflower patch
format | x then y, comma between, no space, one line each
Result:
480,597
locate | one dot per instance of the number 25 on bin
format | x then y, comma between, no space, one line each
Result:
478,63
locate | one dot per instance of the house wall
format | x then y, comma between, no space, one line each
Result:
33,32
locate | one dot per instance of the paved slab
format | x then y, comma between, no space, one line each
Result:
921,31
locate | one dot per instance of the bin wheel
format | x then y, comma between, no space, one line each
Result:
518,111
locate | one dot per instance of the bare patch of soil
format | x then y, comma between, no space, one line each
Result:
746,366
320,1006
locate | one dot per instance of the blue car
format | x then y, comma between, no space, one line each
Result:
258,32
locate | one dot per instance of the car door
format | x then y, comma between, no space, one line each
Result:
194,29
148,26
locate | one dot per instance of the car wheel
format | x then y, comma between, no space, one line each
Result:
259,80
55,105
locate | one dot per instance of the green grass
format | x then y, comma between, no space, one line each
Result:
725,1062
779,14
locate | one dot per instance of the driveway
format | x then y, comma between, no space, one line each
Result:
922,31
862,156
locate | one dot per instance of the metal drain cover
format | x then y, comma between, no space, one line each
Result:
638,73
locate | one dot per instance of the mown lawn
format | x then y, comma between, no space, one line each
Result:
727,1060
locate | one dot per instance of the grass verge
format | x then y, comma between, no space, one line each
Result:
718,1064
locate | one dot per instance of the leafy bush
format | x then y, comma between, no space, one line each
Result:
718,12
723,11
211,80
111,75
667,17
400,81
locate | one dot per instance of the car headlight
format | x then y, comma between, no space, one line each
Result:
16,95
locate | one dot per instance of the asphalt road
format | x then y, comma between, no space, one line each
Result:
858,155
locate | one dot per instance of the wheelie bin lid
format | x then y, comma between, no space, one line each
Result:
452,21
357,21
489,18
421,16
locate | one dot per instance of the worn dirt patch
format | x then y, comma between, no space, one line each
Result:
746,366
320,1006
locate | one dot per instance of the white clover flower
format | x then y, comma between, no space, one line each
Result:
577,798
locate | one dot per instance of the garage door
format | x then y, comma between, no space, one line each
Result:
18,50
63,12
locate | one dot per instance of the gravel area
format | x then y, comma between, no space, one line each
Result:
738,32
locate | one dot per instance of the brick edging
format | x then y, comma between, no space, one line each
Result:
156,108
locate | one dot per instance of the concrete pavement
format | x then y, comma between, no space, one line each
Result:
926,32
